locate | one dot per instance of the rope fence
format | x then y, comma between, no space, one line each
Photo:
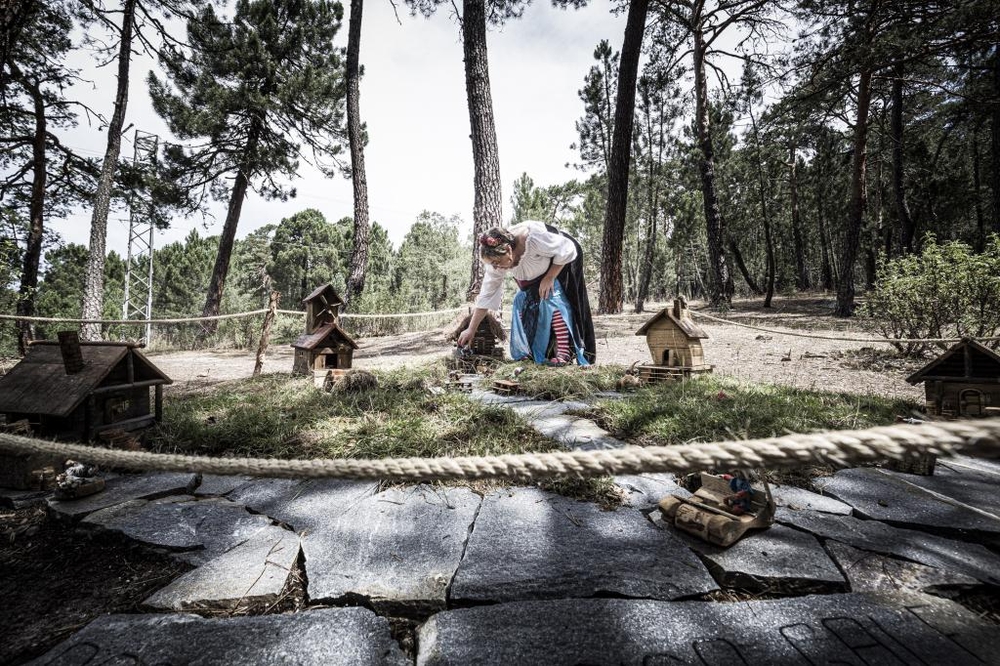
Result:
840,448
838,338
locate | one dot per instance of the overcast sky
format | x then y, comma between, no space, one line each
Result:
419,156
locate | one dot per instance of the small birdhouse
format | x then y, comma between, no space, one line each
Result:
963,381
322,307
326,348
674,342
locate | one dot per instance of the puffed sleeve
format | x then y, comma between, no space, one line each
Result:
557,246
491,291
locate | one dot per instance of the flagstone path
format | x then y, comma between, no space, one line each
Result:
526,576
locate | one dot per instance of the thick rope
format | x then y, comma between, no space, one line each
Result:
137,322
400,315
980,437
839,338
235,315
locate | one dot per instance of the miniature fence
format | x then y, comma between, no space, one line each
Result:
980,437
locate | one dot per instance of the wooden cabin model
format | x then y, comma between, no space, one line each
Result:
324,346
674,340
963,381
488,333
76,391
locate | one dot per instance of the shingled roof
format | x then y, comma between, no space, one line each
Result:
39,383
312,340
688,327
967,360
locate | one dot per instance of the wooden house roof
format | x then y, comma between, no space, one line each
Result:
687,327
462,323
315,339
39,383
967,361
326,293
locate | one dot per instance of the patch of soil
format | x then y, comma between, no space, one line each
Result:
56,578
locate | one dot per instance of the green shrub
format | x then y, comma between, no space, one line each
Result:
946,291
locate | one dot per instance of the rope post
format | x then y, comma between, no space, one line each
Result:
265,333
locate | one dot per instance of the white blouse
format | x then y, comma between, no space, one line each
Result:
541,248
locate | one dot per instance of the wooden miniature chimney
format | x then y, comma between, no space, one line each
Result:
680,308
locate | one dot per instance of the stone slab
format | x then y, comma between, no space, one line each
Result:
881,495
777,560
982,465
322,637
124,488
221,484
530,544
799,499
851,629
19,499
491,398
575,432
199,530
398,550
303,506
540,409
646,490
972,487
928,549
254,572
871,572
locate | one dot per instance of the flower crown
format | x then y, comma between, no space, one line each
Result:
488,241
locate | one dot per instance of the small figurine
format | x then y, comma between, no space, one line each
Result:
79,480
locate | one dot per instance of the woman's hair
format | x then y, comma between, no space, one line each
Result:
496,242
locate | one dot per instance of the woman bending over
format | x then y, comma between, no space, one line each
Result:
551,321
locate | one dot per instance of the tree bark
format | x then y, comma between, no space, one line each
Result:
906,226
856,213
722,283
359,254
487,209
33,251
801,271
765,218
611,298
93,288
977,192
995,131
215,288
826,271
742,266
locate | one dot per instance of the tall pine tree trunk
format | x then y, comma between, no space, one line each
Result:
359,255
93,288
995,131
764,217
228,237
487,210
741,265
611,297
856,212
977,192
722,280
801,272
33,251
906,227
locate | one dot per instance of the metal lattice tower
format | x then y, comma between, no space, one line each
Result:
139,262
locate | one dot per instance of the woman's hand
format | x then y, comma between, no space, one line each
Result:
545,287
465,337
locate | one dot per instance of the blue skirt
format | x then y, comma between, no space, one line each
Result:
531,324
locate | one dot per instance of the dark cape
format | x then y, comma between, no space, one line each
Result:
575,290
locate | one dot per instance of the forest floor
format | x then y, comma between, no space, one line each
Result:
56,578
750,355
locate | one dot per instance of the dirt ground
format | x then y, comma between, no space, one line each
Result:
56,578
751,355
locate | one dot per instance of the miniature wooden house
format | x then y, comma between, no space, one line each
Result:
326,348
488,333
963,381
674,342
74,390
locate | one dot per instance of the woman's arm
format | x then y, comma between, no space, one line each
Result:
549,279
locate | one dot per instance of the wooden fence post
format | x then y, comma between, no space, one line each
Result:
265,333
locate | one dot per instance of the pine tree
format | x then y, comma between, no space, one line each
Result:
257,95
